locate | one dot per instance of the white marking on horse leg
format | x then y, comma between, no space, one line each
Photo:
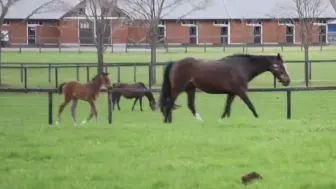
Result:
198,117
75,123
83,122
57,123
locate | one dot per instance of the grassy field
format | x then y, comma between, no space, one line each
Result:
138,151
323,73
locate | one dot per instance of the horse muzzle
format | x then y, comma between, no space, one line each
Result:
285,80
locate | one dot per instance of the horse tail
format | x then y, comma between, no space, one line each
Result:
60,88
166,86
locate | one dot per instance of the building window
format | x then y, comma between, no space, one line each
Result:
35,22
84,25
285,23
253,23
189,22
6,22
221,22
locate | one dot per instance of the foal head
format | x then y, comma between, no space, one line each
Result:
103,79
279,70
151,99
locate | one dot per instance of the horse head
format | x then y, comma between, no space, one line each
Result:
279,69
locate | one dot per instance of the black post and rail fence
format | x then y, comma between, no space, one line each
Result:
50,92
24,69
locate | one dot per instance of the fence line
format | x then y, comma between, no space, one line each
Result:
50,93
129,47
24,69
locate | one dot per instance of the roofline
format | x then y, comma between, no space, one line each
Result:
261,19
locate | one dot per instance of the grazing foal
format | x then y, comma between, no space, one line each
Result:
89,92
129,91
229,75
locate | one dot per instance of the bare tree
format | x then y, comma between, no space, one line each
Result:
99,14
305,13
5,6
151,12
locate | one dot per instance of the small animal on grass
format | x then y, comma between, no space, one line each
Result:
132,90
248,178
74,91
229,75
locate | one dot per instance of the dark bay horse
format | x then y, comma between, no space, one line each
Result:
89,92
129,91
229,75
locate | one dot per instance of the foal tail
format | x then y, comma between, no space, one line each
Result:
60,88
166,86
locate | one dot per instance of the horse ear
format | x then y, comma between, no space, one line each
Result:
279,56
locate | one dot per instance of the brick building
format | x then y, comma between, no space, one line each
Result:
228,22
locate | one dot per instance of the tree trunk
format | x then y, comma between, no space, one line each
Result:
153,45
100,59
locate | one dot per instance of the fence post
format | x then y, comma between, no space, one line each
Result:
274,82
25,78
110,104
134,72
22,72
56,77
87,73
49,73
289,104
77,72
118,73
50,108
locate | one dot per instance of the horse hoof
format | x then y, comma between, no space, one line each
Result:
83,122
75,124
57,123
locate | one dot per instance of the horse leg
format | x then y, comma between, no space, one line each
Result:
118,100
191,102
93,112
60,110
135,101
140,102
242,94
73,110
229,100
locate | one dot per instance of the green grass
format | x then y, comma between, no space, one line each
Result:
323,73
139,151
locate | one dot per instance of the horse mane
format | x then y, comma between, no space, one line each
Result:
251,57
96,76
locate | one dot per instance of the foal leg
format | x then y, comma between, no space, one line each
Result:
140,102
73,110
60,110
229,100
118,101
93,112
135,101
191,103
248,102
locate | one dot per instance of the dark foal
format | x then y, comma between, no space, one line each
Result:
229,75
129,91
74,91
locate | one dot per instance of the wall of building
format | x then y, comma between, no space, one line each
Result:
48,33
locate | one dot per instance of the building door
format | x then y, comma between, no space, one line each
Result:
257,34
193,34
290,34
31,35
323,34
161,34
108,33
86,32
224,35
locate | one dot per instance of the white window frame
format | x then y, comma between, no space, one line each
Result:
221,23
35,22
189,23
320,23
6,22
253,23
285,23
